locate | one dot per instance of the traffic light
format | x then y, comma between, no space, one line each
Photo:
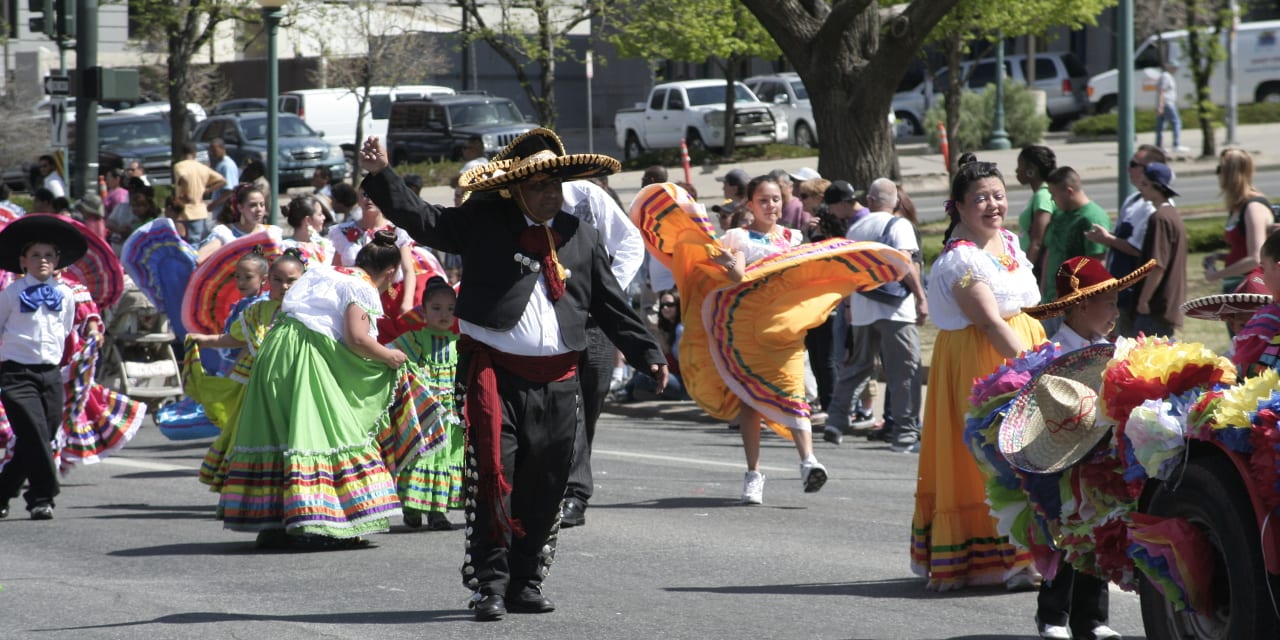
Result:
42,17
66,18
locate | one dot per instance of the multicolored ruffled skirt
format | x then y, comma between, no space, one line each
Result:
96,420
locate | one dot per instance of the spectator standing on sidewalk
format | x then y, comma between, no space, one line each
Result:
1035,163
1125,240
885,323
1159,309
192,181
1167,108
1065,237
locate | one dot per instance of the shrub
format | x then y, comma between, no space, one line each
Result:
1144,120
1024,124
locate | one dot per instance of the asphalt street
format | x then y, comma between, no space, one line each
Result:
667,552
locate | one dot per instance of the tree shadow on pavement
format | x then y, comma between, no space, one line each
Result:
897,588
351,617
684,502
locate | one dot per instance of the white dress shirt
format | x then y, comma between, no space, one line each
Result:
37,337
593,205
537,333
1069,340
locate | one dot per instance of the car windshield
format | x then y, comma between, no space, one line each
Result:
470,115
715,95
291,127
134,133
800,91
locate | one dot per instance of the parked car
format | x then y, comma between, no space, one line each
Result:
195,113
1257,77
1059,74
786,92
333,111
693,110
438,128
125,138
301,149
239,105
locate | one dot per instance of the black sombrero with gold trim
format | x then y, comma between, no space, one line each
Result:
536,155
1081,277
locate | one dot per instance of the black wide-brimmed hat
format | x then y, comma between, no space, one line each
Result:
21,233
536,154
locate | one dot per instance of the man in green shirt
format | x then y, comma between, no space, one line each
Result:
1065,239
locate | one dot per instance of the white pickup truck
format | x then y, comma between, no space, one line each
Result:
694,110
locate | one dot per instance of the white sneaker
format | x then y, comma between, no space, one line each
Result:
1103,632
753,488
1053,631
812,475
1181,149
899,447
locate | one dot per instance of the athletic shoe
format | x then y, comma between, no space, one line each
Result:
832,435
812,475
1181,149
862,421
1103,632
1053,631
1024,580
753,488
906,447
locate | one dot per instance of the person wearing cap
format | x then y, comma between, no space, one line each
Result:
884,326
37,314
1158,307
533,275
734,208
90,211
1124,241
793,214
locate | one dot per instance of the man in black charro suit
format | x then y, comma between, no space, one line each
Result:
531,276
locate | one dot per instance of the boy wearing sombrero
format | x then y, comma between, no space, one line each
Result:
1072,602
1249,314
37,313
533,274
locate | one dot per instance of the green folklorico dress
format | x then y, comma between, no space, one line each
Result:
323,432
434,482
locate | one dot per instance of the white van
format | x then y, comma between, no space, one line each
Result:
1257,70
333,111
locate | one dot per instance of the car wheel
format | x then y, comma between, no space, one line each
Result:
632,149
804,136
1269,92
908,123
1211,496
1106,105
693,140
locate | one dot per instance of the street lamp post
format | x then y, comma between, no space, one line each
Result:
271,15
999,137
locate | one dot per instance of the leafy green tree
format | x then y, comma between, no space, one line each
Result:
186,26
1207,23
531,32
695,31
981,23
851,60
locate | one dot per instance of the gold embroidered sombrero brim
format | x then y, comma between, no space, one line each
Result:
530,142
501,174
1059,306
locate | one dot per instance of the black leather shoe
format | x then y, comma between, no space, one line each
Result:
529,600
4,509
42,512
573,514
490,607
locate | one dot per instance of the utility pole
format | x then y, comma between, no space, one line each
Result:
1124,103
1233,99
84,178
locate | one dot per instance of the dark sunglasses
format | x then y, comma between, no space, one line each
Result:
665,305
1134,164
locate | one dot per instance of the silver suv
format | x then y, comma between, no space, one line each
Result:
786,92
1059,74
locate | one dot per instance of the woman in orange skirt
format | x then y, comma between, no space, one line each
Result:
977,290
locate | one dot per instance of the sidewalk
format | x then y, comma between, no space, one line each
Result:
924,173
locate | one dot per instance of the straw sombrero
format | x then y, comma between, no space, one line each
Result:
20,233
1081,277
1055,420
537,154
1251,295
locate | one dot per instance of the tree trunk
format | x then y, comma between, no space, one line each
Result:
730,106
179,66
847,124
951,101
1201,61
547,37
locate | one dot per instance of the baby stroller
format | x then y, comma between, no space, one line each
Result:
137,354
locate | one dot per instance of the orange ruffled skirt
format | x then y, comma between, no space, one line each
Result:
953,536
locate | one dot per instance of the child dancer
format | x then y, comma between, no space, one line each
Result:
434,484
37,314
221,397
